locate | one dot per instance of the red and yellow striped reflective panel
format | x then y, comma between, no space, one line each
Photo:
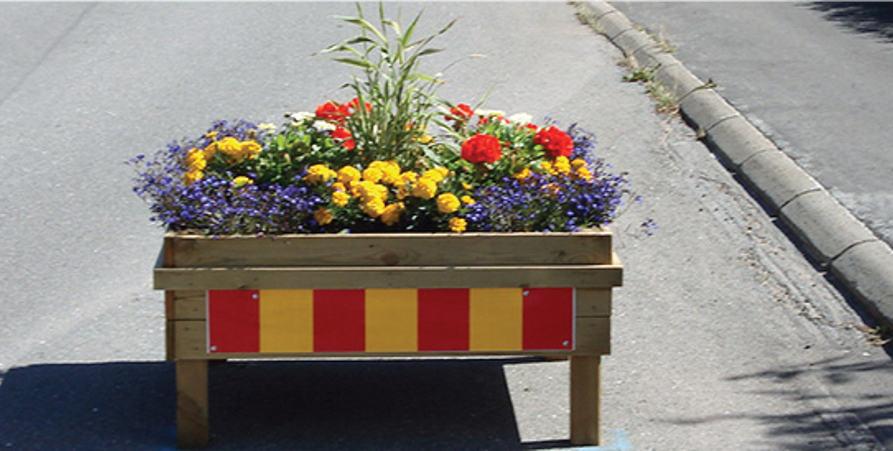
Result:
390,320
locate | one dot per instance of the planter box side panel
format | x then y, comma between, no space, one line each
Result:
587,247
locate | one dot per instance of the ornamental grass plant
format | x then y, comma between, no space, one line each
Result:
393,158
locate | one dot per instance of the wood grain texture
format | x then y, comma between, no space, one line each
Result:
254,278
192,403
585,391
397,249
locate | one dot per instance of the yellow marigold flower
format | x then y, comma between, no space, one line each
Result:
229,146
366,190
583,173
323,216
338,186
191,177
391,213
402,192
210,135
425,139
523,174
458,225
578,163
373,207
250,149
467,200
195,160
436,175
210,150
447,203
390,171
340,198
348,175
467,186
319,173
372,174
561,166
424,188
241,181
408,177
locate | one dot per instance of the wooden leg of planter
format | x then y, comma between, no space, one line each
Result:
192,404
585,381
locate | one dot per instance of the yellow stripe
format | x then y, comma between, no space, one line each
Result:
496,319
286,320
392,320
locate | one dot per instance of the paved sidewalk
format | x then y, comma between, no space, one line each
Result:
724,334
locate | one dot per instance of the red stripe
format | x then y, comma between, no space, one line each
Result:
233,321
548,318
443,319
339,320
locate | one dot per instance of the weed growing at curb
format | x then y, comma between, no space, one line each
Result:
665,101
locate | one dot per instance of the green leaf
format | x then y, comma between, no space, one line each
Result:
356,62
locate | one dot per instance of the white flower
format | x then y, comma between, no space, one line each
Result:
489,113
266,126
300,116
520,118
324,126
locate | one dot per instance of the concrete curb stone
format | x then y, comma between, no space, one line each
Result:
831,234
737,138
702,107
830,227
677,79
866,266
777,179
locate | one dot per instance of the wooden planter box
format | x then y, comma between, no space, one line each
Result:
376,295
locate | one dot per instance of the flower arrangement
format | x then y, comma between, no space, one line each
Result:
393,158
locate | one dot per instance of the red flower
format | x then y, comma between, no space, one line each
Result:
344,135
460,113
482,148
333,111
354,103
555,142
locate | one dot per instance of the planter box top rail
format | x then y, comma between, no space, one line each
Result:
581,276
590,247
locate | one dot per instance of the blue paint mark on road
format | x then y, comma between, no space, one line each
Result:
621,443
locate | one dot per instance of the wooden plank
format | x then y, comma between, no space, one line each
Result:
585,388
579,276
593,302
188,305
397,249
192,403
191,344
191,340
170,350
592,336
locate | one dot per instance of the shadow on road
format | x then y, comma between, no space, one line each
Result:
825,424
874,18
320,404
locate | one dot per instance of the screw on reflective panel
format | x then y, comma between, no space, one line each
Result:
254,296
565,343
213,348
526,293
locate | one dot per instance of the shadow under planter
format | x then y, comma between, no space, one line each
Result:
313,404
